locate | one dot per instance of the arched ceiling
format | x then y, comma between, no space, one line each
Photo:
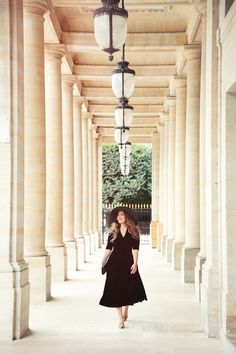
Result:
158,32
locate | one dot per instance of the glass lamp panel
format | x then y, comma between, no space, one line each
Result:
121,136
128,117
125,170
101,30
125,161
125,150
129,84
119,28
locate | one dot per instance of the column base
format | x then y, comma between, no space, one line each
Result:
39,277
211,302
169,246
188,260
14,302
200,260
176,255
159,236
71,251
92,243
153,228
96,243
80,251
58,256
86,247
163,245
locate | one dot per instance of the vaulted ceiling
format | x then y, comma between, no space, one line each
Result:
158,31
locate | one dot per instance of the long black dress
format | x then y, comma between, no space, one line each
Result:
122,288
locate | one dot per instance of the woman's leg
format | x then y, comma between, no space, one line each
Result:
125,312
120,316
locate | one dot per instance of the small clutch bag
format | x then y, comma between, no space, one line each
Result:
106,265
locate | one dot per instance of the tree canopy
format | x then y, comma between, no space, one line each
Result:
134,188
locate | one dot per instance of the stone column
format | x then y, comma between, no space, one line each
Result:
14,273
155,188
201,257
165,184
171,104
68,171
180,85
192,212
95,189
99,204
161,183
211,287
35,154
90,185
54,167
85,207
78,178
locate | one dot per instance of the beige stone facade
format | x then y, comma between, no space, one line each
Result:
56,111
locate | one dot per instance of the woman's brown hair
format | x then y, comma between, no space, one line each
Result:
132,228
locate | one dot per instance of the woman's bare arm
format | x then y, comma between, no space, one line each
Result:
135,264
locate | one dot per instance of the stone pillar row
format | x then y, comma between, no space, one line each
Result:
179,169
48,171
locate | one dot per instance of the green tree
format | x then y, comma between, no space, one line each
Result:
134,188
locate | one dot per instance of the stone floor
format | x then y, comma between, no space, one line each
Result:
73,322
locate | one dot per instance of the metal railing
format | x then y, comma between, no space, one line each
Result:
143,212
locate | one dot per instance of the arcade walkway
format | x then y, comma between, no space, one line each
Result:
73,322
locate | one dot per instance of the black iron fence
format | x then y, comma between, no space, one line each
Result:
143,212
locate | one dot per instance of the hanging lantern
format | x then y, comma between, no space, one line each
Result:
123,80
110,26
121,135
125,149
124,113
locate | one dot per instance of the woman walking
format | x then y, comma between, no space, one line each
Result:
123,286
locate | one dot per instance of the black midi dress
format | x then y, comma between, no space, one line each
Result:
122,288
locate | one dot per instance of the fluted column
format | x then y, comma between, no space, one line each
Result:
78,178
90,182
35,154
85,117
54,167
171,104
68,171
95,190
14,273
201,257
180,86
192,212
99,203
165,118
155,188
161,183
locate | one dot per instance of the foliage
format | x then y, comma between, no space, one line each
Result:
135,188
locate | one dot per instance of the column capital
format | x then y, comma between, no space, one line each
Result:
79,99
164,118
68,80
179,81
35,7
155,133
192,51
54,51
86,115
95,134
169,102
91,126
